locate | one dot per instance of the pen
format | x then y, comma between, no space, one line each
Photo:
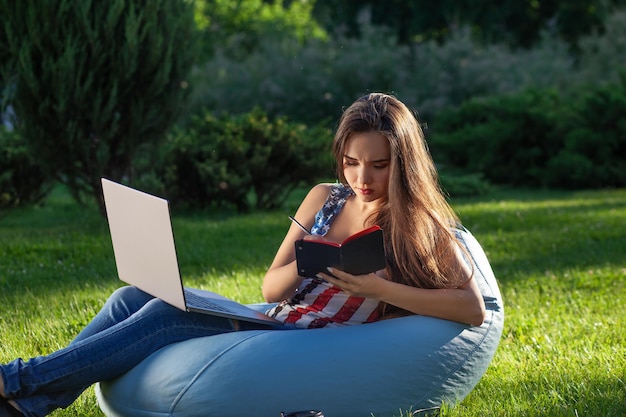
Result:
299,225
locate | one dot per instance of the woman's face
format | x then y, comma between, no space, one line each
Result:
366,165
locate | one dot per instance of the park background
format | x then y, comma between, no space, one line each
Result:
227,109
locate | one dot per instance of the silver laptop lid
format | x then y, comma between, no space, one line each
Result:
143,242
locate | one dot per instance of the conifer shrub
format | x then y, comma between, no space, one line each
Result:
94,80
21,179
246,161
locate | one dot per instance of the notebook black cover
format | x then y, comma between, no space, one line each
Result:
359,254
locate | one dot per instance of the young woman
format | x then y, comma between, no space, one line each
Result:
387,177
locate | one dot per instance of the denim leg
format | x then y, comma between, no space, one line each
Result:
101,353
123,303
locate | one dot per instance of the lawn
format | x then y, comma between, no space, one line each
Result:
560,258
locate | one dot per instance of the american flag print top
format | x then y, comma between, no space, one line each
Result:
317,303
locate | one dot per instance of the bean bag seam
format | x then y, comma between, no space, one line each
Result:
485,280
207,365
476,264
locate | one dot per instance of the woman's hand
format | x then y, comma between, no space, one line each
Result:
369,285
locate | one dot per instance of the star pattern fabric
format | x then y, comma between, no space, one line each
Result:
337,197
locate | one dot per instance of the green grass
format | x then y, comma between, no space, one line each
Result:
560,258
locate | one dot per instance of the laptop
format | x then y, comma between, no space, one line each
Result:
145,255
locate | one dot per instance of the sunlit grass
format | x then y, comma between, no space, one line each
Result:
560,258
561,262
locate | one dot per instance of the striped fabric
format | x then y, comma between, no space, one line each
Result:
317,303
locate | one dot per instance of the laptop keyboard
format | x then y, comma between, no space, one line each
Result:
197,301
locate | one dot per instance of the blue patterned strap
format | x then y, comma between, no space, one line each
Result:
335,201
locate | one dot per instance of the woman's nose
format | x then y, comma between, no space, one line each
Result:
364,176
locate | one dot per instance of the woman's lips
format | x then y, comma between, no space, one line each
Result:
365,191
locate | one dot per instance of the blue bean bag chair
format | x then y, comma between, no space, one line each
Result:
378,369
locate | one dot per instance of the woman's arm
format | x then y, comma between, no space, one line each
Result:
463,304
282,279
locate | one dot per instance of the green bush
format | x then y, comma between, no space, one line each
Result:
538,138
594,151
21,179
463,185
508,139
246,160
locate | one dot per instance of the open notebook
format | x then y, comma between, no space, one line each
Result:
145,255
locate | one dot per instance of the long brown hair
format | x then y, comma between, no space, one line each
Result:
416,217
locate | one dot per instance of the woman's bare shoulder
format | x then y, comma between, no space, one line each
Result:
320,191
315,198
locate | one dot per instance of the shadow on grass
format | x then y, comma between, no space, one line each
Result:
550,236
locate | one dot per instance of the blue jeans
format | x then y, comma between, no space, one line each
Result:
130,326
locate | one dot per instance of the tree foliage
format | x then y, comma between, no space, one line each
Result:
315,80
518,23
237,25
94,80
